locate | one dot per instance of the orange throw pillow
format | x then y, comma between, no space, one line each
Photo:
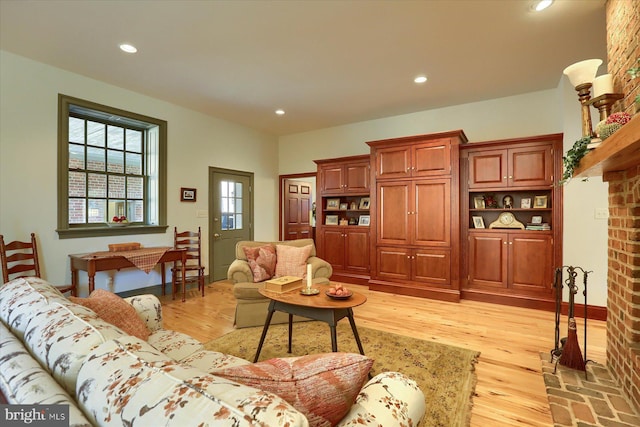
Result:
321,386
113,309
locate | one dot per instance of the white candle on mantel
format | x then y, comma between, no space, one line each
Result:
309,276
602,84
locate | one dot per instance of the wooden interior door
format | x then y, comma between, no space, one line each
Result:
297,209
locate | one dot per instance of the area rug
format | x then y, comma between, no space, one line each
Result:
445,374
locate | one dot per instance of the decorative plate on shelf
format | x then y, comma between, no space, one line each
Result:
118,224
333,296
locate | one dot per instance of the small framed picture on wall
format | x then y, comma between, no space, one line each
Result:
187,194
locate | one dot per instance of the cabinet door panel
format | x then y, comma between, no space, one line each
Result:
393,263
393,205
487,260
530,166
333,245
432,218
393,163
332,180
487,169
531,263
433,266
357,178
356,251
432,159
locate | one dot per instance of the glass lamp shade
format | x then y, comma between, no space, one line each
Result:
583,71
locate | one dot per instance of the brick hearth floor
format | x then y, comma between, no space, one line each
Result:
595,401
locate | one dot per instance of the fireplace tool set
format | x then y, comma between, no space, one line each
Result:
567,350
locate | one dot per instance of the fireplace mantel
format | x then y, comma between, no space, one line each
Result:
620,151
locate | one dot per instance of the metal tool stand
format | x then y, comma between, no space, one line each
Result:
556,352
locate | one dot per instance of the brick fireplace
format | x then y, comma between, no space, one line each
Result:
623,279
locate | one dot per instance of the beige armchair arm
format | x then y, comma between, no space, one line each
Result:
240,271
320,267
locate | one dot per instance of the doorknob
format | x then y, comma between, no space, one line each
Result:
216,235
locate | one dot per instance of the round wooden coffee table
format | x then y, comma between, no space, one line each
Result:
317,307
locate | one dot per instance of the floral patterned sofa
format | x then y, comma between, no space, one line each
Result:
56,351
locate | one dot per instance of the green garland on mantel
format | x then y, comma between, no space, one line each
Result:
572,159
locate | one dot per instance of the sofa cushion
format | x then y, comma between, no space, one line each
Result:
128,382
113,309
24,381
173,344
321,386
292,261
22,297
61,334
262,260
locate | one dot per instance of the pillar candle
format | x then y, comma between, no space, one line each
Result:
309,278
602,84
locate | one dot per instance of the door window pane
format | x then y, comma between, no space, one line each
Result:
231,205
97,211
95,159
115,161
97,185
77,184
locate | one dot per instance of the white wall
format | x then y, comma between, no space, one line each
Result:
28,168
538,113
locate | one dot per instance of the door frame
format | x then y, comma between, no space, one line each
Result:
282,179
210,223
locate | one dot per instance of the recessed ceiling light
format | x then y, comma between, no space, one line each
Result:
280,112
420,79
128,48
542,5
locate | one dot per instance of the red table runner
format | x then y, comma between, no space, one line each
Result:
145,259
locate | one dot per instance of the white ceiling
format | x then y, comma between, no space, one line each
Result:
326,63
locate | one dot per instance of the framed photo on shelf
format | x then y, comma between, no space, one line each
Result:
540,202
478,202
344,206
331,220
478,222
525,203
333,204
364,220
536,219
187,194
364,203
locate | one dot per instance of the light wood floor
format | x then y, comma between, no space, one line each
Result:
510,389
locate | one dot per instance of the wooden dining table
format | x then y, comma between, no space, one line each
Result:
144,259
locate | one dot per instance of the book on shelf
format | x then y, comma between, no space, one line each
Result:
542,227
283,284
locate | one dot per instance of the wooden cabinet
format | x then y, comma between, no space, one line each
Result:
430,158
349,248
415,212
346,176
526,166
512,263
429,266
343,216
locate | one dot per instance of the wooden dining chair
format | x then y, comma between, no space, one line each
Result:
20,259
191,242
